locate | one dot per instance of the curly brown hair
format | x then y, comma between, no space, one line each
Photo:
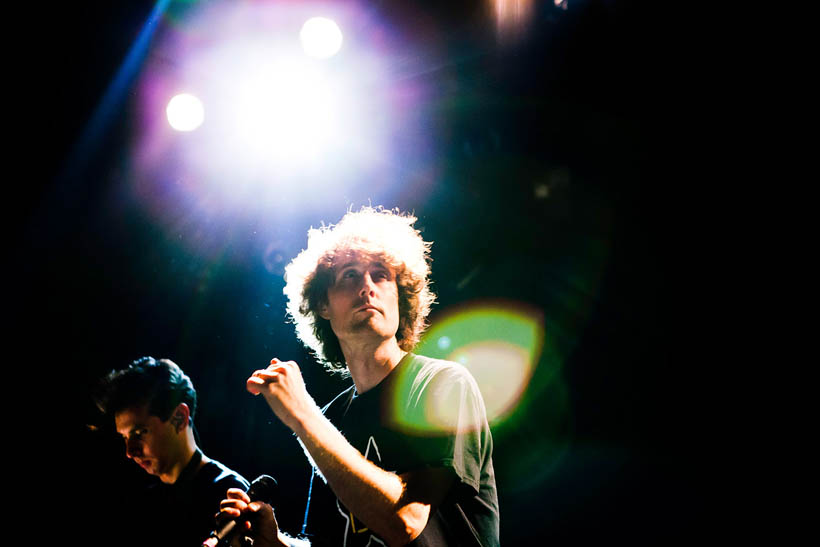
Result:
377,234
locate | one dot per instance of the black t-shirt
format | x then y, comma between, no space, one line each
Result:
425,413
183,513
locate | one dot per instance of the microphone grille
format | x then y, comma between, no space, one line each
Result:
263,489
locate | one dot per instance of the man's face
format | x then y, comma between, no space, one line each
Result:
363,301
150,442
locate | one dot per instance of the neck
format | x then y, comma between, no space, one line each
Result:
369,364
186,452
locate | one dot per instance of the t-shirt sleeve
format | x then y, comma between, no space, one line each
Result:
229,479
449,426
218,489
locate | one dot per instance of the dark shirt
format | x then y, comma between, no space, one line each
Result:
182,513
425,413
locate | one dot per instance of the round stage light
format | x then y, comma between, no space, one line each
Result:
185,112
321,37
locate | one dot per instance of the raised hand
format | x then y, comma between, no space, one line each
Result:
284,389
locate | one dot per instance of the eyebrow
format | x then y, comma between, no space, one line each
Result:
377,263
132,429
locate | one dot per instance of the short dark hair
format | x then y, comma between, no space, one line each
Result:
158,384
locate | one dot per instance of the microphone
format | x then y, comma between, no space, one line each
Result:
263,489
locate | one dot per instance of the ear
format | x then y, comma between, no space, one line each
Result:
323,312
180,416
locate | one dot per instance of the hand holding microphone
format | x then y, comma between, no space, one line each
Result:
240,509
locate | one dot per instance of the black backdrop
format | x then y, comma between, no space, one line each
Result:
103,284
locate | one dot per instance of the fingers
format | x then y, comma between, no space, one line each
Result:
232,508
254,385
256,517
259,513
238,494
277,365
235,502
267,529
231,512
260,378
256,506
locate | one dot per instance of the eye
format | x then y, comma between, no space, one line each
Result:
350,275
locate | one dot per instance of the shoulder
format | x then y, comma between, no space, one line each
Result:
422,373
436,394
217,473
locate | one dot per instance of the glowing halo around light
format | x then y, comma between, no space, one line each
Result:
321,37
281,126
185,112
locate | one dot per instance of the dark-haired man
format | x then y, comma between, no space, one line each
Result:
153,403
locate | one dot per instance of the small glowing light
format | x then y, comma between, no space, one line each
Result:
513,16
321,37
185,112
444,342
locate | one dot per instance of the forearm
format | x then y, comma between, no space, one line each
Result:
376,497
373,495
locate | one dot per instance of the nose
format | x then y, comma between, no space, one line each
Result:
368,287
133,449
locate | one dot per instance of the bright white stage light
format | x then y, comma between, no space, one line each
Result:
185,112
287,114
281,124
321,37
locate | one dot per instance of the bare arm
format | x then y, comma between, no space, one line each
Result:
396,507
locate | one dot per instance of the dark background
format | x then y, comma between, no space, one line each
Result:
580,97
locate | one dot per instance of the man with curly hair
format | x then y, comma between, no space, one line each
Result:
403,456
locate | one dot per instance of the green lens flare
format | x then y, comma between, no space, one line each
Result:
498,343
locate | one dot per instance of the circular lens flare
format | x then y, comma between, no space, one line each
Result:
500,368
500,344
185,112
321,37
